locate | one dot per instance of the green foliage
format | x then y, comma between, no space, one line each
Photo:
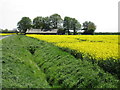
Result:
56,21
38,23
42,23
31,63
24,24
71,24
89,27
107,33
18,68
46,23
111,65
66,24
6,30
63,69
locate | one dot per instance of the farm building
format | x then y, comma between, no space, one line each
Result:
50,32
44,32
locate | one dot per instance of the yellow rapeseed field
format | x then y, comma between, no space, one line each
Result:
4,34
97,46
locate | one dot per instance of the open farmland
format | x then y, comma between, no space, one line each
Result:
99,46
100,49
31,63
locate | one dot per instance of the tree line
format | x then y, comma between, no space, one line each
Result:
56,22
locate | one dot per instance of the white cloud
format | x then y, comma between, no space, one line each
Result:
104,13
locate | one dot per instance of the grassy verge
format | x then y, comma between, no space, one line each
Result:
18,67
31,63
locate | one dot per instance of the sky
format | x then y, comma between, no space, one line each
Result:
104,13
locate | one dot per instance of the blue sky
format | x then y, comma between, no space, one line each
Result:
104,13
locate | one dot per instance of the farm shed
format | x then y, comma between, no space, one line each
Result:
44,32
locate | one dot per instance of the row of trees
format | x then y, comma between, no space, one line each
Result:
55,22
47,23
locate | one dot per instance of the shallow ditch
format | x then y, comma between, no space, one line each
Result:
103,64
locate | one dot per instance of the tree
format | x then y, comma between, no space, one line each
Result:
66,24
75,25
89,27
71,23
46,23
85,25
24,24
78,26
56,21
38,23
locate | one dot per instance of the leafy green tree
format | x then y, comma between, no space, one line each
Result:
46,23
66,24
85,25
71,23
89,27
78,26
24,24
75,25
38,23
56,21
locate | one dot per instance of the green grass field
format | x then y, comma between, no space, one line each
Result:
31,63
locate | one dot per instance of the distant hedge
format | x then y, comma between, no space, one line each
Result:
102,33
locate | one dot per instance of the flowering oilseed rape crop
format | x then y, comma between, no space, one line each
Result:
4,34
99,47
